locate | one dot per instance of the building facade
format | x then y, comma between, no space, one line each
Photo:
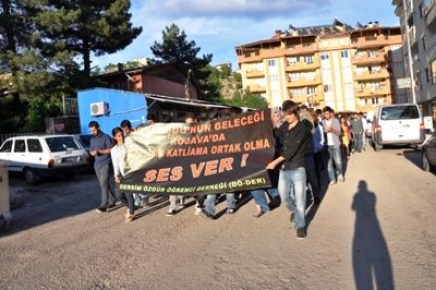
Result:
418,27
347,68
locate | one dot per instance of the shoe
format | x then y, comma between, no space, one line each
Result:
101,210
182,202
316,200
129,218
341,178
292,217
171,212
332,183
258,214
230,210
205,214
111,206
198,210
301,233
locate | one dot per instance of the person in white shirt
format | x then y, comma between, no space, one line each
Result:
332,128
117,156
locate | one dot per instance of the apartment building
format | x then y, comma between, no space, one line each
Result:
418,27
337,65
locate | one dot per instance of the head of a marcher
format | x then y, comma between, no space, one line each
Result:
118,135
94,128
151,118
328,113
276,116
290,111
189,117
126,126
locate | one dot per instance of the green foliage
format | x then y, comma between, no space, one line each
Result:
40,44
176,49
247,100
38,110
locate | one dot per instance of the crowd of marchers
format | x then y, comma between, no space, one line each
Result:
309,144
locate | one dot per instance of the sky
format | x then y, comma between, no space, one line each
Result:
218,26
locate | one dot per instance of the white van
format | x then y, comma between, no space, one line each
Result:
398,124
40,156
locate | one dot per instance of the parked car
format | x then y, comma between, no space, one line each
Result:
429,153
39,156
398,124
85,140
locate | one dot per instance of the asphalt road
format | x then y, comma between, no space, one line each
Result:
374,231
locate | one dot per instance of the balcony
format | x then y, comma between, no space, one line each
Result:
371,92
256,89
430,15
375,41
365,59
366,76
254,74
302,82
312,100
303,66
412,36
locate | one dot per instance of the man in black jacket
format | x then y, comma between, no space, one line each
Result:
292,179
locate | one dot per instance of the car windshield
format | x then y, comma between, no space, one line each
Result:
400,113
85,140
58,144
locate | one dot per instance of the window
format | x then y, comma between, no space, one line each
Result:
7,147
372,53
34,145
59,144
324,55
427,75
423,43
295,76
294,60
311,91
272,62
274,78
344,54
308,59
19,146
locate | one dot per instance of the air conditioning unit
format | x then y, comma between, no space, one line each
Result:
99,108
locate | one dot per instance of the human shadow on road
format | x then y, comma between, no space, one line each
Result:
371,260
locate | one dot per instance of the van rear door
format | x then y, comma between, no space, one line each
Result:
400,124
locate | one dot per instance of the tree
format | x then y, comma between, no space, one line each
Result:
247,100
85,26
176,49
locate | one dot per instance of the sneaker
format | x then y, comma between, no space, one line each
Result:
341,178
101,210
182,202
230,210
198,210
301,233
292,217
171,212
129,218
205,214
332,182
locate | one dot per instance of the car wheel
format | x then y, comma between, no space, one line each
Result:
30,176
425,163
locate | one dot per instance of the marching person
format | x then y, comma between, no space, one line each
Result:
292,176
100,147
117,156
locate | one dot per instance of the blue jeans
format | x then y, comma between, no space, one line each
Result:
260,198
127,200
334,155
107,195
358,142
211,199
292,190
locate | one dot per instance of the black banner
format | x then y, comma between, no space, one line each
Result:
225,155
